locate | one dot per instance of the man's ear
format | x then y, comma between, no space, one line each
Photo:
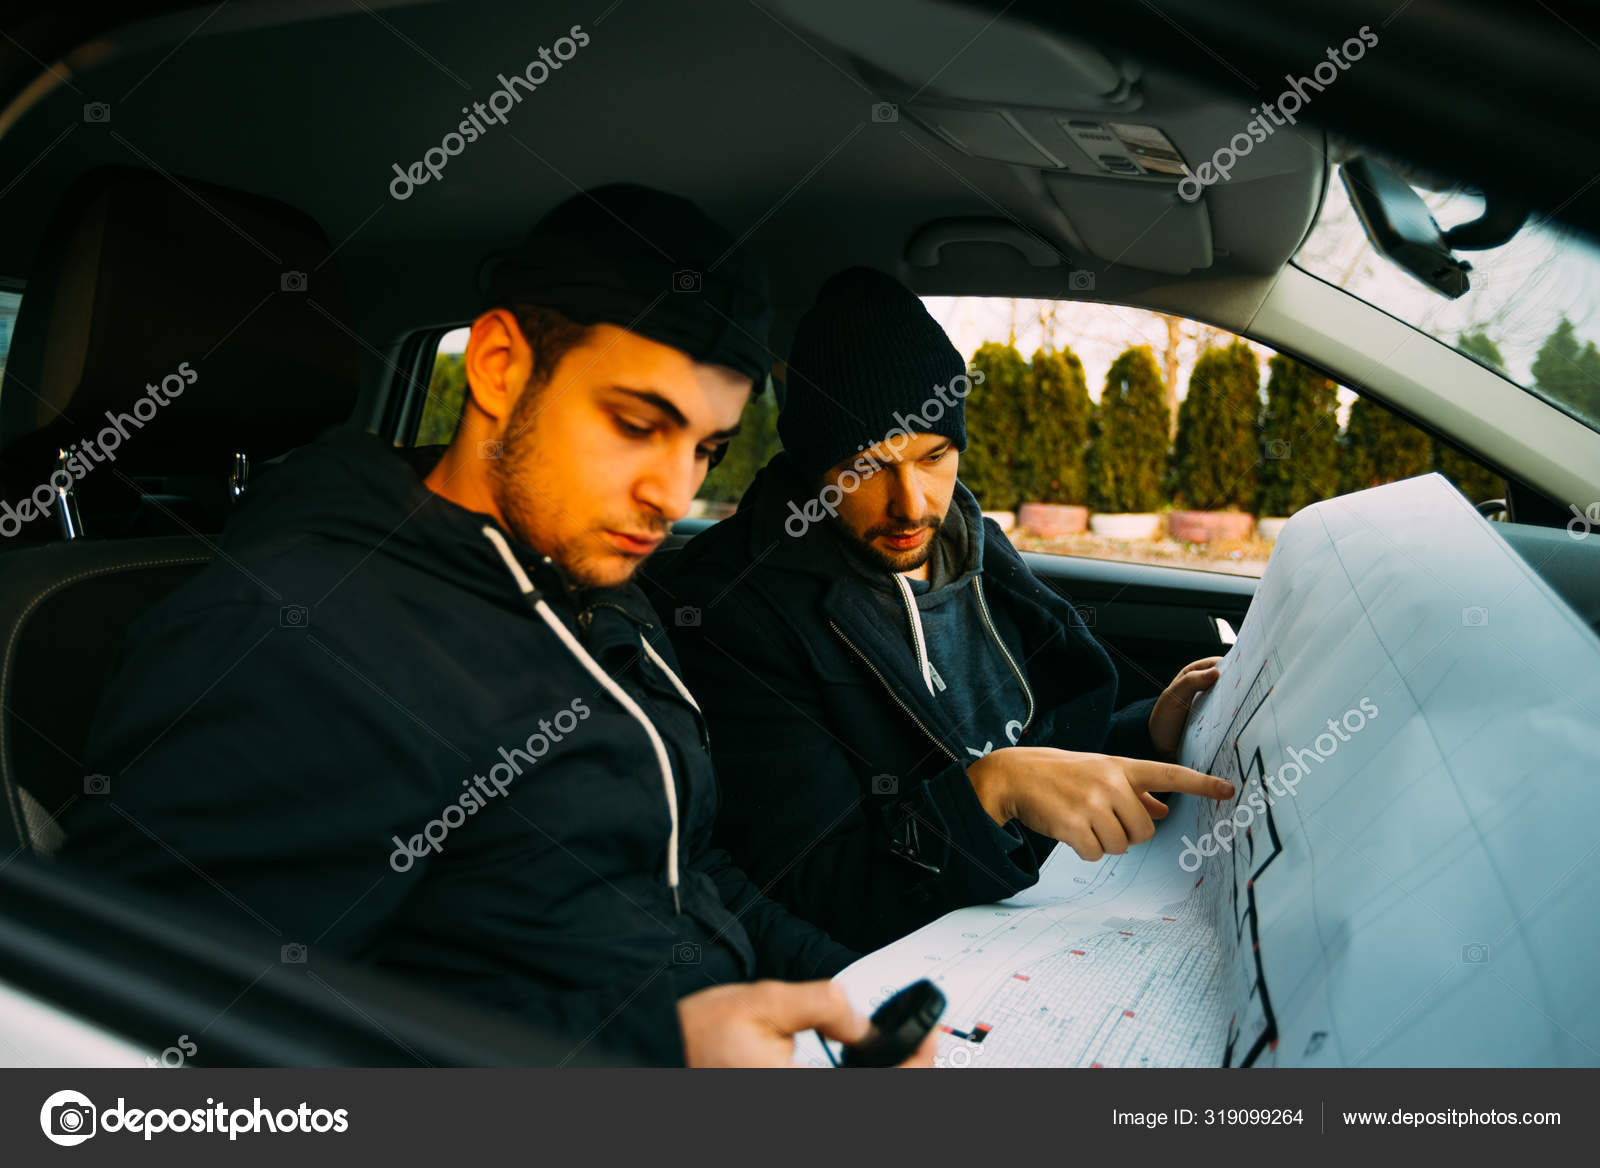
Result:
498,362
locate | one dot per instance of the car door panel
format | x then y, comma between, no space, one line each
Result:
1152,620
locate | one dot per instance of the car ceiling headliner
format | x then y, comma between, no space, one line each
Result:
763,122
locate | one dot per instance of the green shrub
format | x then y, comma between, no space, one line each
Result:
1380,447
1299,439
1049,467
755,444
995,426
1215,454
447,397
1128,452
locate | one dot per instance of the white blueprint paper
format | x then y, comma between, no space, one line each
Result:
1419,893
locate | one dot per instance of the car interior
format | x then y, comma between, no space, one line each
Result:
215,186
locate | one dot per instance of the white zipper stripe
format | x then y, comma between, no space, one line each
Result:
616,691
916,630
683,690
983,609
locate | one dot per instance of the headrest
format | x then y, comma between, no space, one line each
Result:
203,320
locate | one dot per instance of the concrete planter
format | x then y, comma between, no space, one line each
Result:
1006,519
1126,525
1270,527
1053,519
1209,526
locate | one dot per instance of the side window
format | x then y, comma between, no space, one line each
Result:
1115,433
447,391
9,303
756,442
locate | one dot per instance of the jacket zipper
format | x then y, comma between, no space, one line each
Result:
586,618
905,708
916,628
983,609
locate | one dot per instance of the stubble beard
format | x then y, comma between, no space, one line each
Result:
517,488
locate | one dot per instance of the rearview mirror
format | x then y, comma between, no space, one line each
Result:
1401,227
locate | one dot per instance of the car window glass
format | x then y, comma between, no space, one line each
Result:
447,391
1116,433
1532,313
10,302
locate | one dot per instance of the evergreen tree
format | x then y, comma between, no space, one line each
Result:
1128,455
1478,346
1588,377
1299,438
1472,479
995,426
1569,373
1214,458
1555,366
750,450
1380,447
1055,412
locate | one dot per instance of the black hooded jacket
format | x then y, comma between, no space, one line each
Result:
843,785
354,730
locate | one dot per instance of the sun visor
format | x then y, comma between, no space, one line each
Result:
967,55
1140,225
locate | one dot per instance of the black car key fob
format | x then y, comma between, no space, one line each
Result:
898,1027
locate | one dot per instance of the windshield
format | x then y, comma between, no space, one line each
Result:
1531,315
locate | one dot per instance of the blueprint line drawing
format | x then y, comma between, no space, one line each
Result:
1404,875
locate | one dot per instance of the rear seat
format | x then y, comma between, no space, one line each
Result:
138,277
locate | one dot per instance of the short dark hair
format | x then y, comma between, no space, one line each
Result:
550,336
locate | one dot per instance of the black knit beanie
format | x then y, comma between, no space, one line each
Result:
649,262
867,360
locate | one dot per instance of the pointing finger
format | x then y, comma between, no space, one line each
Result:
1146,775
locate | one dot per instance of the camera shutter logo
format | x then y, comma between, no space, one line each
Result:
67,1118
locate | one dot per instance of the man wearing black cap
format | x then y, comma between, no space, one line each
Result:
904,719
415,713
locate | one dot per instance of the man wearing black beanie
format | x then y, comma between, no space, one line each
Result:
415,713
904,719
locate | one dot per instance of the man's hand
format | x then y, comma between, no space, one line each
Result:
1172,707
1094,803
753,1024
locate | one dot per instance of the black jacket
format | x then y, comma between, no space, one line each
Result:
841,791
353,730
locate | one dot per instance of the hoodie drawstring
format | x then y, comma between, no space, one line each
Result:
916,631
615,690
